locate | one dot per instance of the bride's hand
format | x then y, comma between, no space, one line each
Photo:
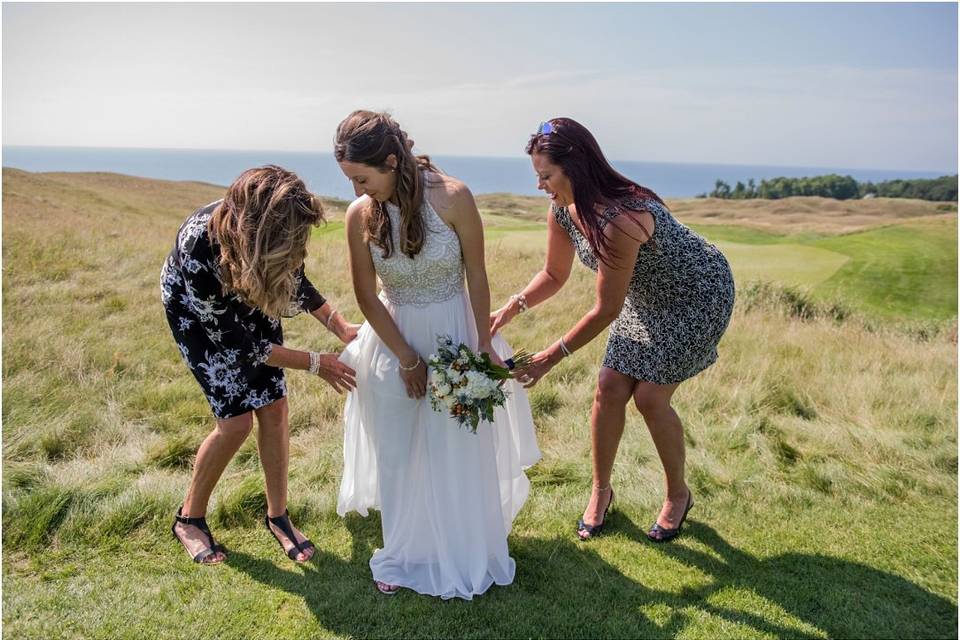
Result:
338,375
415,380
494,357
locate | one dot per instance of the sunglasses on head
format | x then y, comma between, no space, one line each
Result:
544,128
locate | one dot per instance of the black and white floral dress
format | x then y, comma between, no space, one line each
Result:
679,302
224,341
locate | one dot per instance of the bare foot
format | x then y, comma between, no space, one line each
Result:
194,540
288,544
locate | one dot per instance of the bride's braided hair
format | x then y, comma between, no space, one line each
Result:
367,137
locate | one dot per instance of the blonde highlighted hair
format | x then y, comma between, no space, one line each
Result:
262,227
368,137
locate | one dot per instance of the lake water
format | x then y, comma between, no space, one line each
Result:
320,171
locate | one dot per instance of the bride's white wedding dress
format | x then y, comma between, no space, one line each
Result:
447,497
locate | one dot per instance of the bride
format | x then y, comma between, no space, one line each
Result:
447,497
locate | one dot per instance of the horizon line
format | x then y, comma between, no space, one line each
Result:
944,172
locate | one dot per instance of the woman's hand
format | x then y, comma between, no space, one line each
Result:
502,316
338,375
348,332
414,380
540,364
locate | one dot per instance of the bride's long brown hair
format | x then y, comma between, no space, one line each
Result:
368,137
262,227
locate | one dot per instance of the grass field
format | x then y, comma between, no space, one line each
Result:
822,446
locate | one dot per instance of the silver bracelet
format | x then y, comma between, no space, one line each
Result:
411,368
314,368
563,347
521,300
330,318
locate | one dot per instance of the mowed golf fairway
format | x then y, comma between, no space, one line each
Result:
790,264
899,271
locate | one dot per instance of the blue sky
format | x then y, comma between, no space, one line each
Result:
851,85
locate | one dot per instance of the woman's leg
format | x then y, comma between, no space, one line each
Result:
214,454
653,402
273,443
614,390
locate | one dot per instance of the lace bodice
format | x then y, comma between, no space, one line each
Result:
433,275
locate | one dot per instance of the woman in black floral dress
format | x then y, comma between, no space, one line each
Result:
235,269
667,292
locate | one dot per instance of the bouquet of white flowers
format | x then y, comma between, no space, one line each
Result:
466,384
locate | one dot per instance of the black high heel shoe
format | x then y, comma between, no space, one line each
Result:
662,534
199,523
283,522
593,531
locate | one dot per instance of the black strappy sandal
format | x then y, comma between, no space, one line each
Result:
283,522
199,523
597,529
662,534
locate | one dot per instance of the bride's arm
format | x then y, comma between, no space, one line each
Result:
364,277
465,219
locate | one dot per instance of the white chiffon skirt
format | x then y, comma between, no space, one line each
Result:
447,497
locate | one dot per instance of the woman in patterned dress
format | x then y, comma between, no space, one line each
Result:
667,292
235,269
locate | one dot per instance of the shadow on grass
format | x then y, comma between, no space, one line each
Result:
842,599
566,589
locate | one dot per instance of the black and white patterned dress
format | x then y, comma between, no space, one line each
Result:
679,302
224,341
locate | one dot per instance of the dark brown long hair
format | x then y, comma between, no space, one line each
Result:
368,137
262,227
596,184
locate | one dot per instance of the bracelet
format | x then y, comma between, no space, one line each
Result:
314,368
521,300
410,368
330,319
564,348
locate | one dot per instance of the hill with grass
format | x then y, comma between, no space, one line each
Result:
821,447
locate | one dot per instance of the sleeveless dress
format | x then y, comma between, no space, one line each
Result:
447,497
679,302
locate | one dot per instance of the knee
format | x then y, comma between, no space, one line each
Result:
274,416
235,430
648,404
612,391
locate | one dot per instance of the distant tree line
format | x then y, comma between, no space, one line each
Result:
943,189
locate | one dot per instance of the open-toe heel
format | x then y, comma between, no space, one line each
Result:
586,531
283,523
662,534
386,589
200,523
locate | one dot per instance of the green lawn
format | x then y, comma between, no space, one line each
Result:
822,453
907,270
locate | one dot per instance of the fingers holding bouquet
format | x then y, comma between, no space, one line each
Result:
413,373
495,358
533,367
